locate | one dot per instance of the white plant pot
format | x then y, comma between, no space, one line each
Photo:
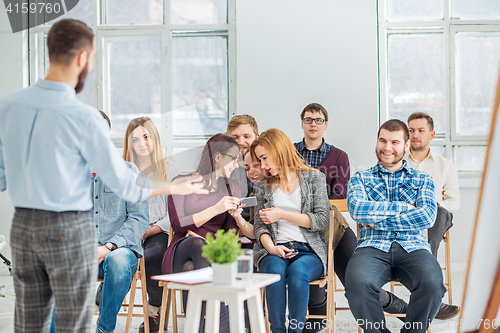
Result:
224,273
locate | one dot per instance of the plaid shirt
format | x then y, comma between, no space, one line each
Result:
313,157
381,197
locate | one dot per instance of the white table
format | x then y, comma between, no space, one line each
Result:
234,295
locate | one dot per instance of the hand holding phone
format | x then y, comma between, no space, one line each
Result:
291,254
248,202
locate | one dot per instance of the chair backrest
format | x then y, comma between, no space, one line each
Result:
341,204
170,235
329,239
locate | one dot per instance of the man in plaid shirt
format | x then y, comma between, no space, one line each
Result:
394,205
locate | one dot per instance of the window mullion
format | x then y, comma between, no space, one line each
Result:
382,60
453,80
98,57
448,81
231,16
167,131
384,107
96,17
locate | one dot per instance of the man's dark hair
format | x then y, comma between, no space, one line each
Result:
105,116
315,107
66,39
394,125
422,115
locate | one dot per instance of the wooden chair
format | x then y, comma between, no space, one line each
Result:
341,204
327,280
447,265
139,275
169,300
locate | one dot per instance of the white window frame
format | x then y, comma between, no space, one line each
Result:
165,33
449,26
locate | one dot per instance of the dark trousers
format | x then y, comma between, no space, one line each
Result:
154,251
444,221
342,254
369,269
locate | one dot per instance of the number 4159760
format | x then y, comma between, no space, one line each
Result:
34,8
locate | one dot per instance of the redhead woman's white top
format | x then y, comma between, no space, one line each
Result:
288,231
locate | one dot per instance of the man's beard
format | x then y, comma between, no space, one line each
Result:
81,79
396,158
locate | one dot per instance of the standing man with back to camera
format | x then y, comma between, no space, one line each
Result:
49,141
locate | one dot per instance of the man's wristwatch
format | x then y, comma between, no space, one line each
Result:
110,246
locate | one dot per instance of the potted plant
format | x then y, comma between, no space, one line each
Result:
222,252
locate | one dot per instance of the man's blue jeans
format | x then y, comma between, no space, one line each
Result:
297,272
117,270
369,269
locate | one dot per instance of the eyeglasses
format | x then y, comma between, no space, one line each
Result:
318,121
234,158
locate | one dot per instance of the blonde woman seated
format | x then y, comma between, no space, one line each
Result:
290,218
143,148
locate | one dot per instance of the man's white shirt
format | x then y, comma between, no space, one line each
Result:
445,177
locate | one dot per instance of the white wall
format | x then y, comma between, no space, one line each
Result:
291,53
11,79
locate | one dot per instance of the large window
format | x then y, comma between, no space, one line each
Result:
442,57
171,60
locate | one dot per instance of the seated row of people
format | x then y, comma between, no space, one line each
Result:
50,140
289,218
421,132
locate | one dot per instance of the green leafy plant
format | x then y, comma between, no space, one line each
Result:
224,249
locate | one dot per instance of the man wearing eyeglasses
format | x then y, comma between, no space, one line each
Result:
334,163
330,160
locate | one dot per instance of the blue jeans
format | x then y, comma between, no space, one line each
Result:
117,270
370,268
297,272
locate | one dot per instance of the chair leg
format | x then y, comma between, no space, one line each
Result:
165,308
448,265
330,307
142,276
131,302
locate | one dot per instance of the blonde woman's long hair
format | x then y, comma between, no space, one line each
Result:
284,154
157,156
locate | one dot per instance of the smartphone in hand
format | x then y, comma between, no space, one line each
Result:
249,201
291,254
